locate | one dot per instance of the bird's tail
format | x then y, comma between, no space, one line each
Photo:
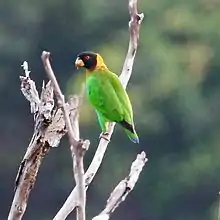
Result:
130,131
132,136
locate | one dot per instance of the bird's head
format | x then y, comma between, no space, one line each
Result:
90,60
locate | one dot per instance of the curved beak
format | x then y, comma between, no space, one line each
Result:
78,63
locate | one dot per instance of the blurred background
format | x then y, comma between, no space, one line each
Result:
175,91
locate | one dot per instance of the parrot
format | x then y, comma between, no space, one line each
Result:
106,94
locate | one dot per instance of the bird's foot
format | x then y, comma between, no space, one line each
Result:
105,135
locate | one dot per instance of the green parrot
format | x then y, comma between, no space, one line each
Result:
106,94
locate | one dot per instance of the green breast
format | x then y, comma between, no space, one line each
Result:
103,96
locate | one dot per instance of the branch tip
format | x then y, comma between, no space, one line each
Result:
45,55
85,145
25,68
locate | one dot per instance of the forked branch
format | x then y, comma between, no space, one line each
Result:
134,28
50,126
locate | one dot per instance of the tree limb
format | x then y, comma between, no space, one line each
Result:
134,27
121,191
48,130
77,146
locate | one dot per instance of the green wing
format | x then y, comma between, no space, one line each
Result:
108,96
123,98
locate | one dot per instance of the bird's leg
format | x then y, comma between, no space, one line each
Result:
104,126
105,133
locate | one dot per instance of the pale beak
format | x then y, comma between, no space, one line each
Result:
78,63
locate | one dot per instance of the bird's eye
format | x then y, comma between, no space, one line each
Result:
87,57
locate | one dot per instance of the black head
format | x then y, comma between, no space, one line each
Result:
87,59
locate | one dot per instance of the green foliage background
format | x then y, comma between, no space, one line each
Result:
175,91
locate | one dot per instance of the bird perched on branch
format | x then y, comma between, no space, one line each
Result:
107,94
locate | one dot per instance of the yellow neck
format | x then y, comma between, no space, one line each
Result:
100,65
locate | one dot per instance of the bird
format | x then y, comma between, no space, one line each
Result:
106,94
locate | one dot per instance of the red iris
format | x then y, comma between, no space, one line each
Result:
87,57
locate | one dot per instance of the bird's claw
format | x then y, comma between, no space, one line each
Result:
105,135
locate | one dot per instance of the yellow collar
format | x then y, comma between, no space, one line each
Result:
100,65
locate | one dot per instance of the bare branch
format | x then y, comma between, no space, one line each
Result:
49,129
78,166
28,89
77,146
71,201
60,97
134,27
121,191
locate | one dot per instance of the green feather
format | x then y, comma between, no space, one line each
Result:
111,101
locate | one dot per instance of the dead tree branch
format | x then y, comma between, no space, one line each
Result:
134,28
121,191
50,127
48,130
77,146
